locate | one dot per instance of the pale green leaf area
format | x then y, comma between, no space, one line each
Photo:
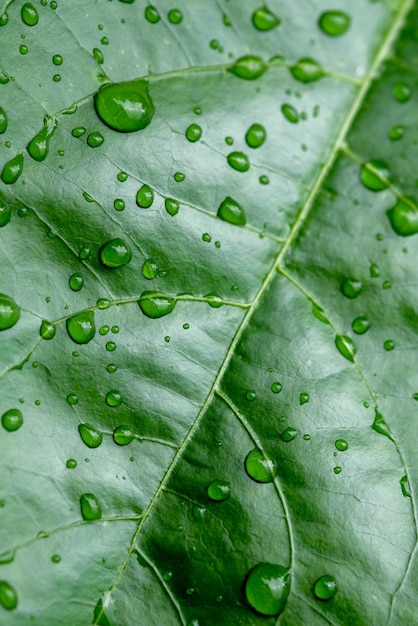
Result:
208,313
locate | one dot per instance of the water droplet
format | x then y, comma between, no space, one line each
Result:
95,139
98,56
3,121
81,327
48,330
171,206
111,368
56,78
110,346
396,132
259,467
175,16
232,212
306,70
145,197
103,303
375,175
12,420
72,399
403,216
380,426
90,436
9,312
8,596
406,489
115,329
119,204
255,136
303,398
264,180
193,132
341,445
402,92
276,387
29,14
325,587
248,67
5,215
55,558
90,508
122,435
179,177
76,282
12,169
154,304
150,269
57,59
113,398
374,271
214,300
38,147
319,313
389,345
122,176
351,288
267,587
78,131
115,253
290,113
264,20
4,19
238,161
361,325
71,464
206,237
229,141
125,107
151,14
219,490
334,23
289,434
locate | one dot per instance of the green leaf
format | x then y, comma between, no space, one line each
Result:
208,313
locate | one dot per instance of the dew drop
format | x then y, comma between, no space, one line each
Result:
361,325
111,368
232,212
38,147
267,587
90,508
290,113
122,176
379,425
78,131
389,345
351,288
175,16
81,327
248,67
179,177
375,175
402,92
346,347
238,161
406,489
276,387
171,206
403,216
125,107
150,269
264,20
115,253
306,70
12,420
325,587
334,23
29,14
57,59
71,464
98,56
303,398
119,204
151,14
95,139
259,467
110,346
113,398
9,312
154,304
8,596
72,399
289,434
12,169
122,435
145,197
193,132
341,445
396,132
256,136
3,121
90,436
219,490
76,281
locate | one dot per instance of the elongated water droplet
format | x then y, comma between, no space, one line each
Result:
90,436
154,304
115,253
248,67
145,197
303,398
9,312
267,587
290,113
255,136
380,426
319,314
5,215
3,121
81,327
171,206
29,14
122,435
289,434
8,556
351,288
151,14
406,489
219,490
12,169
194,132
38,147
306,70
375,175
125,107
98,56
361,325
90,507
346,347
12,420
259,467
8,596
264,20
334,23
403,216
4,19
232,212
238,161
76,282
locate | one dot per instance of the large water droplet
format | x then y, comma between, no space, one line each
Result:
81,327
145,197
346,347
248,67
171,206
3,121
115,253
255,136
151,14
122,435
259,467
194,132
9,312
90,508
12,169
219,490
90,436
375,175
264,20
154,304
351,288
238,161
29,14
306,70
334,23
403,216
361,325
325,587
8,596
125,107
12,420
232,212
38,147
267,587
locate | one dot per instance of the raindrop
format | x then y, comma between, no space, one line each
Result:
72,399
374,271
110,346
113,398
71,464
78,131
122,435
255,136
3,121
57,59
341,445
150,269
76,281
193,132
151,14
232,212
12,169
122,176
389,345
276,387
346,347
325,587
264,20
289,434
379,425
259,467
406,489
396,132
5,215
8,596
351,288
290,113
154,304
55,558
238,161
219,490
334,23
95,139
90,436
248,67
38,147
375,175
175,16
119,204
81,327
125,107
90,508
171,206
403,216
9,312
12,420
306,70
361,325
179,177
29,14
115,253
145,197
267,587
98,56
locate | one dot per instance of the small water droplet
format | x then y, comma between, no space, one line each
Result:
402,92
255,136
171,206
55,558
193,132
406,489
267,587
375,175
5,215
306,70
303,398
111,368
248,67
334,23
341,445
198,512
90,507
4,19
8,596
238,161
179,177
219,490
264,20
351,288
12,420
374,271
98,56
29,14
232,212
380,426
290,113
57,59
325,587
125,107
47,330
151,14
403,216
113,398
81,327
71,464
90,436
154,304
206,237
115,253
276,387
78,131
396,132
175,16
12,169
361,325
9,312
56,78
110,346
122,176
122,435
95,139
389,345
289,434
150,269
76,281
72,399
